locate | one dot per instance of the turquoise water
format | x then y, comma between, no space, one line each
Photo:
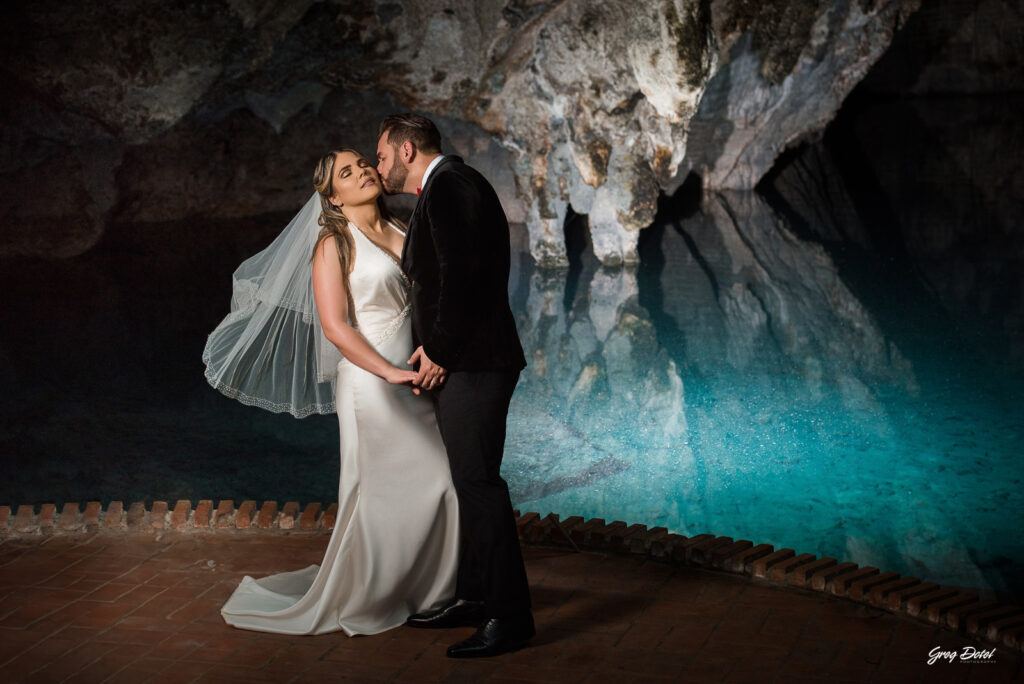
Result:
739,381
734,384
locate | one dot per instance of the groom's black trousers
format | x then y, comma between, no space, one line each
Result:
471,408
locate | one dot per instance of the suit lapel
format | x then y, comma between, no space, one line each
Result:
408,238
416,212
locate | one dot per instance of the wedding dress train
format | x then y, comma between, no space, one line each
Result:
394,548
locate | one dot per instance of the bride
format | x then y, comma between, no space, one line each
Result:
333,333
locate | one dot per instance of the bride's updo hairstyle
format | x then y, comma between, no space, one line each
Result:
335,223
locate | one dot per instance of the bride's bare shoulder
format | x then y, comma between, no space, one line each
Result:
326,253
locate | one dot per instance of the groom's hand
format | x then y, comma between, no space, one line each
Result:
430,375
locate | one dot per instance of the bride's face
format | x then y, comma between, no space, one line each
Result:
355,181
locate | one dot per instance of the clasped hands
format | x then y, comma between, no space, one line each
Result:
429,376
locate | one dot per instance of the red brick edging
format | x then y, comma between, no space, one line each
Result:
949,607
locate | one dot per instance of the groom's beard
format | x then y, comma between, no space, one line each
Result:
394,184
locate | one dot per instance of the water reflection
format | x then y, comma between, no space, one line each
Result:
734,384
598,387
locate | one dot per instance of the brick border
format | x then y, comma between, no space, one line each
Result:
946,607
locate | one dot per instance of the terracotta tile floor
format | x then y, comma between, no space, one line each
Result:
116,608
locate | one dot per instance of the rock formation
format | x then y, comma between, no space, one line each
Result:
143,111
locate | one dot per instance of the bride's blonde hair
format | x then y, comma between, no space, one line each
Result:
335,224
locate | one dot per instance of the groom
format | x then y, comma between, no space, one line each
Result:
457,256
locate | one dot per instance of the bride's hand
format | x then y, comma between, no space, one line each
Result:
397,376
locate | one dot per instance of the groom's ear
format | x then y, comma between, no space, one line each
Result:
408,151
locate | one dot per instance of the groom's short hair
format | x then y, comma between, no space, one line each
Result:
419,130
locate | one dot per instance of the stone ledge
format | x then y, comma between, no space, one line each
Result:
948,607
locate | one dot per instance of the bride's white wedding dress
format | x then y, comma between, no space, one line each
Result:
394,549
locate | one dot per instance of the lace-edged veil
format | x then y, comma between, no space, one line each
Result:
270,351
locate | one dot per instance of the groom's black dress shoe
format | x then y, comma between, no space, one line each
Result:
457,613
495,636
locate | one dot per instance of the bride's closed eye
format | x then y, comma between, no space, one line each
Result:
347,171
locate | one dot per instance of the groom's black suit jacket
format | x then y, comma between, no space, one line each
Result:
457,256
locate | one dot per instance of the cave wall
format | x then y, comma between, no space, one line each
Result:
138,111
954,48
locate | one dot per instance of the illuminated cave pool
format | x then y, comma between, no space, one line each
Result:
736,382
733,384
